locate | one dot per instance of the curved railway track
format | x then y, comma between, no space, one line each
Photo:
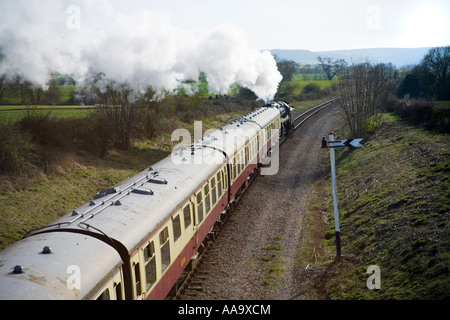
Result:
191,281
302,117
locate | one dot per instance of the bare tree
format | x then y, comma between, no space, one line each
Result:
331,67
363,89
32,92
437,60
114,107
3,77
3,85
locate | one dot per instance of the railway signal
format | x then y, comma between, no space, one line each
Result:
351,144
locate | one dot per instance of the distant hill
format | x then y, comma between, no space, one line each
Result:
397,56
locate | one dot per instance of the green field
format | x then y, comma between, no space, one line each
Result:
298,85
59,94
13,113
296,90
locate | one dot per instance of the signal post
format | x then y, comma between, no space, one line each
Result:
351,144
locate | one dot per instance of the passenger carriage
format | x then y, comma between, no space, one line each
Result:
134,240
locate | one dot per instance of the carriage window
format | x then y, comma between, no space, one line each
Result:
187,216
241,161
234,168
104,295
207,199
225,179
176,225
118,289
238,163
137,274
247,155
219,184
213,191
150,264
165,248
199,208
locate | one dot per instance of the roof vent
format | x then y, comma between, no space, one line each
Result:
158,180
18,269
142,191
117,203
75,213
46,250
92,203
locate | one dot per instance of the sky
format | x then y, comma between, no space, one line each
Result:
318,25
161,43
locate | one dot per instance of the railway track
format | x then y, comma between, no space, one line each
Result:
302,117
191,281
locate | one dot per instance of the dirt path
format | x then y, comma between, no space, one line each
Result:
257,255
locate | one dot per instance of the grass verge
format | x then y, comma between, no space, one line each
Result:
394,207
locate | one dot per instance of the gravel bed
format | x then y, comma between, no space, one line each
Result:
256,254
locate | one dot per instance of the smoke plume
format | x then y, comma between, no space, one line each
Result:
142,49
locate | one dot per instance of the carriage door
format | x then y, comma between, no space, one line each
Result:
198,214
137,277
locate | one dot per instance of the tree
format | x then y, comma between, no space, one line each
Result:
363,89
52,95
117,112
33,92
437,60
287,69
3,77
331,67
202,84
418,83
3,85
430,78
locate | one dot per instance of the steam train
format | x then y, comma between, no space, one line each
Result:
133,241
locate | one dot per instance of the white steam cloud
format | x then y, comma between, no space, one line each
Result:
37,38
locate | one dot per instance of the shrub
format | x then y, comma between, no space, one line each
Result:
17,153
424,113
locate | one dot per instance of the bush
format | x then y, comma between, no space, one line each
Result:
38,139
39,125
424,113
17,153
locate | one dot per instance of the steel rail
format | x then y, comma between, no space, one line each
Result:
307,114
